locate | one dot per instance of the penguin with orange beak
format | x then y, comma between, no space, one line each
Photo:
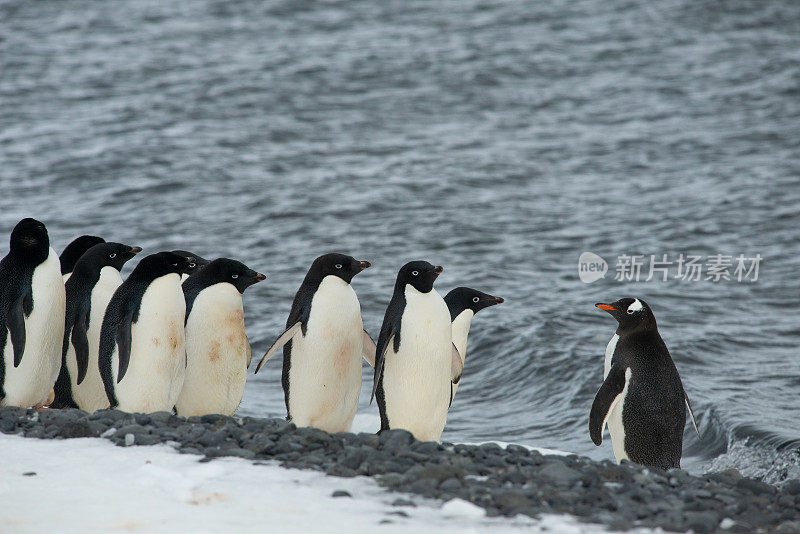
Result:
642,397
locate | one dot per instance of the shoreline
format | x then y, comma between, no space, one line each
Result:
503,481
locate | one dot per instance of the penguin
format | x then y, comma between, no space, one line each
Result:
642,398
416,359
94,280
32,308
323,344
463,304
218,352
142,357
73,252
193,266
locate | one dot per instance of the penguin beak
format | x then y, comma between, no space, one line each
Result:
438,269
606,307
364,265
136,250
498,300
259,277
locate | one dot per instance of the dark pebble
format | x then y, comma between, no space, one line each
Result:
341,493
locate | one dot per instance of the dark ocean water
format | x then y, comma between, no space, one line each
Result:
499,139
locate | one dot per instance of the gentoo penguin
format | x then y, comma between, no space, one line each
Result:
642,398
73,252
217,349
323,345
94,280
463,304
32,306
193,266
417,360
142,355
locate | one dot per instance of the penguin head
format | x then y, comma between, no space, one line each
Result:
339,265
630,313
73,252
109,255
29,238
193,266
233,272
161,264
419,274
465,298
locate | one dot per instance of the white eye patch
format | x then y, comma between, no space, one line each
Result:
635,306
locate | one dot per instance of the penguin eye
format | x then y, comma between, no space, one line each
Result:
234,276
192,265
475,299
338,265
630,311
112,255
414,273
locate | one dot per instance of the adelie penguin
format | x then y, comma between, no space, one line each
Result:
193,266
32,307
73,252
142,354
642,398
323,345
417,361
464,303
94,280
217,348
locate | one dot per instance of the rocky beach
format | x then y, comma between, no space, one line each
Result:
504,481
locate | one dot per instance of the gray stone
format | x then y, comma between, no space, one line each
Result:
341,493
559,474
702,522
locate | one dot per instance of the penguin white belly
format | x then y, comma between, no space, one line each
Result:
614,419
416,380
90,395
325,371
461,326
157,365
31,382
610,348
216,348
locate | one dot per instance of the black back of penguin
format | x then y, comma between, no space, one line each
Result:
85,274
77,248
220,270
29,247
654,413
124,308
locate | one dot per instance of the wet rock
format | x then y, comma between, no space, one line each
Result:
559,474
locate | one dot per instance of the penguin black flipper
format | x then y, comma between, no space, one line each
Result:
249,351
21,309
389,336
284,338
456,366
80,341
368,349
123,338
606,395
297,321
379,361
691,413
